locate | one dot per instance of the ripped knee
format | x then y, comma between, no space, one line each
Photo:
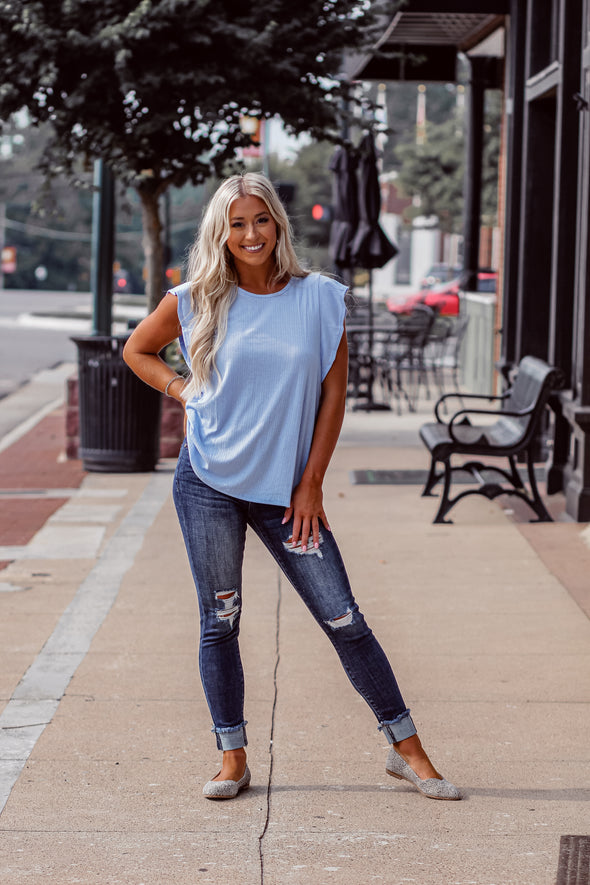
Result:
341,621
229,605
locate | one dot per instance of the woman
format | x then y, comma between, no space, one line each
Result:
266,344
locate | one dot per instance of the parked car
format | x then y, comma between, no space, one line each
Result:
444,298
439,273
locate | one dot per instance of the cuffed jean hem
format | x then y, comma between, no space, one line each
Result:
399,728
231,738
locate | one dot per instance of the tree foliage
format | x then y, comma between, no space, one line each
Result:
157,88
401,106
433,172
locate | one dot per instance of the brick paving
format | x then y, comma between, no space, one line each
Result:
35,463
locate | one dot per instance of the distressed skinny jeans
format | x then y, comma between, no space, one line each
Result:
214,529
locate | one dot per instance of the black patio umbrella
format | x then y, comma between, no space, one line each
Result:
370,247
344,203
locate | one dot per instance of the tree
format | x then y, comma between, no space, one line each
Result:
157,88
434,171
401,105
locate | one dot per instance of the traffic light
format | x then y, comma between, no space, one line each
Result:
318,226
174,276
319,212
120,279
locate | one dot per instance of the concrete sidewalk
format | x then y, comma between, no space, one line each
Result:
105,741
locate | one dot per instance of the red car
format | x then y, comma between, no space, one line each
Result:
444,298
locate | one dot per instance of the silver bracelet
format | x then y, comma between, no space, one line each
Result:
174,378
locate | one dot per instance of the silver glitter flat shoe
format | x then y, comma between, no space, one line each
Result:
432,787
227,789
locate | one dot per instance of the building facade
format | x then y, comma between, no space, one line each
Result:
538,52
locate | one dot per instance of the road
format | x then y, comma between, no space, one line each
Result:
36,329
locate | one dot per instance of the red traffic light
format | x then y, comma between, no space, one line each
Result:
319,212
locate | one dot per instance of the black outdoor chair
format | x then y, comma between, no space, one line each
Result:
452,354
443,353
405,354
367,346
435,351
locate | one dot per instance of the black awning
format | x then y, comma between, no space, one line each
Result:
424,63
422,42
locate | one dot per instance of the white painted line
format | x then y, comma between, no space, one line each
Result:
59,324
37,696
79,325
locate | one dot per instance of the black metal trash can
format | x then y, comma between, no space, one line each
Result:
119,414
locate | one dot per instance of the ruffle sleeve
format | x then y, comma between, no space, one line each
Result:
185,312
332,313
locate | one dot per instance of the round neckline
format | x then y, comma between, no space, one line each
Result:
265,295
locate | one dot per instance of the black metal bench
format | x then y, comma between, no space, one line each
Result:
512,433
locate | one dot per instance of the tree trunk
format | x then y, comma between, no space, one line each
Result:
152,246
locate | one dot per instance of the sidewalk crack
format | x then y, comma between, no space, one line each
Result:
272,729
25,725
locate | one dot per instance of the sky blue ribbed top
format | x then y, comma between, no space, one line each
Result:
249,432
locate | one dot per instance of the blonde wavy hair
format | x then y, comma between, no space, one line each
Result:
212,274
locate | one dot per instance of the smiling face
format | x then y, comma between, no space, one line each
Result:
253,236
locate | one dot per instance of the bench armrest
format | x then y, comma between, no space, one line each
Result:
462,396
498,414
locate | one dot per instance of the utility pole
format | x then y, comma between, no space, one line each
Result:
103,227
266,148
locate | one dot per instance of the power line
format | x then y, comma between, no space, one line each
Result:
53,234
47,232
